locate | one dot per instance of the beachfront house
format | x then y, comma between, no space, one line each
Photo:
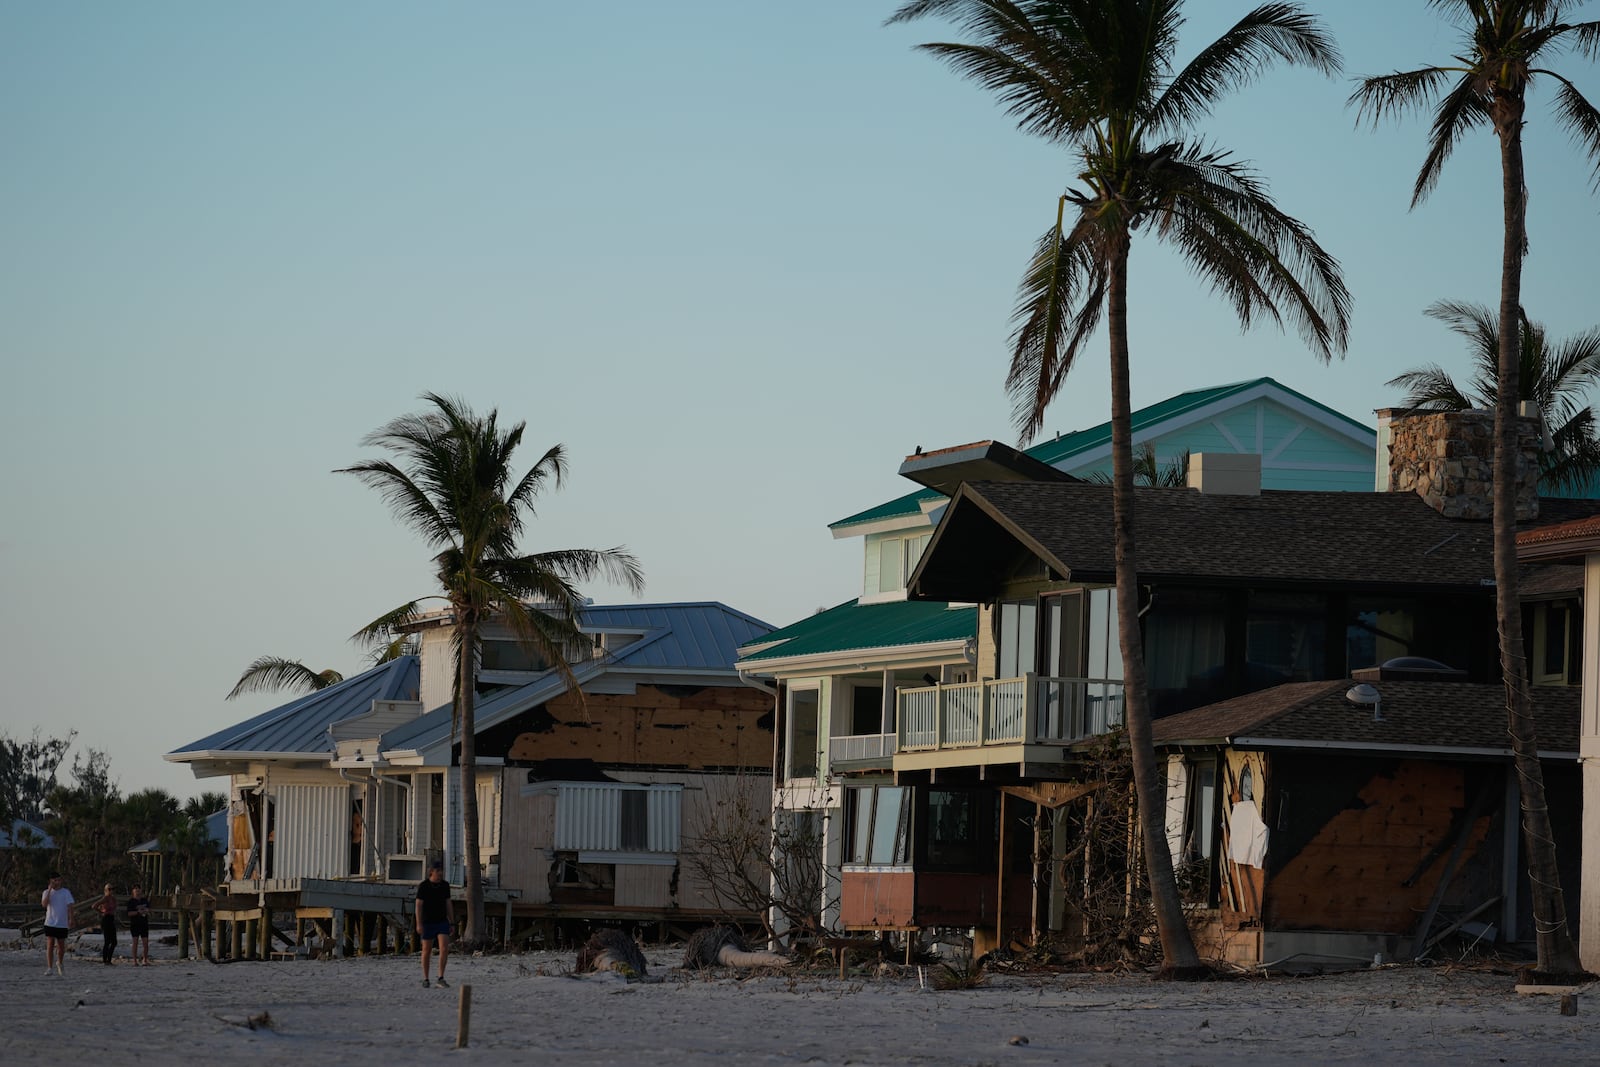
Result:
588,809
840,670
1242,589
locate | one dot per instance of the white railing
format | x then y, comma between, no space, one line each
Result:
857,747
1007,711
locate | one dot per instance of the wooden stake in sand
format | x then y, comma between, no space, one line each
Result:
463,1016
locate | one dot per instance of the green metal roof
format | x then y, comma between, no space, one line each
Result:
853,625
1059,450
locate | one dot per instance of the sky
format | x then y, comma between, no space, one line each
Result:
739,258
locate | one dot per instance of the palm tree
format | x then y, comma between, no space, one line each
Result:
1098,77
1556,375
1149,470
1503,43
458,490
276,674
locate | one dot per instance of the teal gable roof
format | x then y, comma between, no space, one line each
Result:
1063,450
853,626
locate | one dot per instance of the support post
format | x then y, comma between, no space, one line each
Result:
183,933
338,933
463,1016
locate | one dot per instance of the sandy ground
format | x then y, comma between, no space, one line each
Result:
374,1011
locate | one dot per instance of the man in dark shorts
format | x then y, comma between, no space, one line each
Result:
139,925
57,901
433,919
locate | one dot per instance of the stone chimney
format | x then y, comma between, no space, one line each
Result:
1447,458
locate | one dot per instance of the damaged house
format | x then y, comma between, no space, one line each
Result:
1276,593
587,808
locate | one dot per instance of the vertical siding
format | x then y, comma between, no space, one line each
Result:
526,838
588,817
312,832
644,885
438,668
421,814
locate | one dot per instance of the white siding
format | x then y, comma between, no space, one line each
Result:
311,838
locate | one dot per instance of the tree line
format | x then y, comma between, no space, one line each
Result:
91,823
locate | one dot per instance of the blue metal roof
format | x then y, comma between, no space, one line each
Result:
701,637
23,834
301,726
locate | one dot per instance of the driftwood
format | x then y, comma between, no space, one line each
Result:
610,950
721,946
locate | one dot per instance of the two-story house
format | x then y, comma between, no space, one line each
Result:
840,670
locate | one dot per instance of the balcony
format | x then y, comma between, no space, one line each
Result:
1030,710
861,751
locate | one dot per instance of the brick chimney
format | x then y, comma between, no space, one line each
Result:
1447,458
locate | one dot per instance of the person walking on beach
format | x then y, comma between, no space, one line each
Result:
107,907
433,919
57,900
139,925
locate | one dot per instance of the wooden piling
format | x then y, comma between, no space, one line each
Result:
183,933
463,1016
235,939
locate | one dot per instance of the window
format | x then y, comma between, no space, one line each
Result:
880,825
617,817
1185,649
897,558
1017,620
1377,631
953,828
804,739
866,709
1285,639
1552,642
501,655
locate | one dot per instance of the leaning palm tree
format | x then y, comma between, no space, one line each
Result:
1099,78
1556,375
1503,46
456,487
276,674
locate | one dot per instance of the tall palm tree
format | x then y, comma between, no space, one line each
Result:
1556,375
276,674
455,486
1503,44
1099,78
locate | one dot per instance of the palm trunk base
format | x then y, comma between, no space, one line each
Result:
1195,973
1534,976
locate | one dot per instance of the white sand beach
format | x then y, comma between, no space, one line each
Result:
374,1011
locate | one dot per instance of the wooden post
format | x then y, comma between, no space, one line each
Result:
1038,864
463,1016
266,933
338,933
183,933
1000,884
208,929
235,939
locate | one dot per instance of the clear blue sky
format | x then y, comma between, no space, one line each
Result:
740,258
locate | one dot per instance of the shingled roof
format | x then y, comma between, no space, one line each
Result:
1462,717
1309,538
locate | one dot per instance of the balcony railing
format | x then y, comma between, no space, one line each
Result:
857,748
1008,711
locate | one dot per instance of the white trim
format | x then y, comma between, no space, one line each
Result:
1375,746
889,525
1227,435
863,658
638,859
890,597
1283,444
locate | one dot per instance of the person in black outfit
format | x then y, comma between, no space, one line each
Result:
433,919
139,925
107,907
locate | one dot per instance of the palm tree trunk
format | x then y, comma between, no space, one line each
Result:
1556,951
466,686
1179,959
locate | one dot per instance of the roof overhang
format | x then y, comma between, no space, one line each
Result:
1364,748
980,461
922,654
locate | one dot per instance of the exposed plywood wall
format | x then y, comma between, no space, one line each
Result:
1350,875
526,839
691,727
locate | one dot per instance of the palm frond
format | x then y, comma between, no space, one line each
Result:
276,674
1395,95
1581,119
1277,30
1460,111
388,625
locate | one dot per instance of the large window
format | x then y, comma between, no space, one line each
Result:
880,825
866,709
1185,649
804,738
1017,622
1285,639
1378,630
955,828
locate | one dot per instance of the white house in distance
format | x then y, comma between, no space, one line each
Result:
839,670
587,810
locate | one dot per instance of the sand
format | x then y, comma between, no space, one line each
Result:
525,1009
